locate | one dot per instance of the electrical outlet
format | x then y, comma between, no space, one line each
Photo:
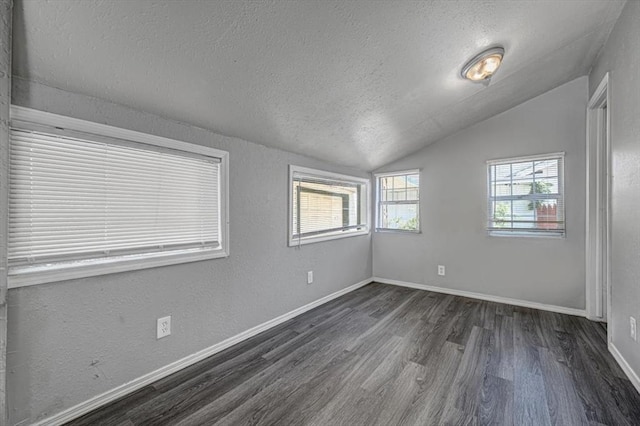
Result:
632,328
441,270
164,327
309,277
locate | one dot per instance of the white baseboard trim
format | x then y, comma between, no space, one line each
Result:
481,296
632,375
129,387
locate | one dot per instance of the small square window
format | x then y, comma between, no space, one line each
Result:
398,201
526,196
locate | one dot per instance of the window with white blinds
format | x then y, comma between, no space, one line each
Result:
326,205
78,200
526,195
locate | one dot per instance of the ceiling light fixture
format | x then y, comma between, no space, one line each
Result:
482,67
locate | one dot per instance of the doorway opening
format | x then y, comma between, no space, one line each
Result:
598,237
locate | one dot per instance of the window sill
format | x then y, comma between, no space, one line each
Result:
294,242
28,276
521,234
397,231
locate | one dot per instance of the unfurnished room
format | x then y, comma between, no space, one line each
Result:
319,212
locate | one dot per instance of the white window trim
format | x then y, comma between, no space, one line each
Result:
525,234
132,262
294,242
525,158
377,177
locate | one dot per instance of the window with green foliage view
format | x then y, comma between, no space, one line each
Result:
398,199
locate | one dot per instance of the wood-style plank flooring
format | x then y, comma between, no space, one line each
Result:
386,355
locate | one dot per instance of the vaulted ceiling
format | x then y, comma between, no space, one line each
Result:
357,83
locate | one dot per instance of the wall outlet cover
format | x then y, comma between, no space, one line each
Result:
164,327
309,277
441,270
632,329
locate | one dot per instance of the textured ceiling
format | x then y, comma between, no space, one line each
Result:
358,83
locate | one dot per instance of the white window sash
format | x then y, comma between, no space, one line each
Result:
559,197
380,203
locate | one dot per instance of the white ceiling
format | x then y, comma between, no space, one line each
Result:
358,83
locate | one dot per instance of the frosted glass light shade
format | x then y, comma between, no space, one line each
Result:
484,65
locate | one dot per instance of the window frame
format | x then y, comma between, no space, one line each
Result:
522,232
294,241
379,201
62,271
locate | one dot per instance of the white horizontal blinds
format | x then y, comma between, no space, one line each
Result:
399,201
322,205
76,199
527,195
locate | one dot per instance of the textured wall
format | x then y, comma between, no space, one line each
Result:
72,340
621,58
454,208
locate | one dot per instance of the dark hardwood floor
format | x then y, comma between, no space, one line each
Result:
389,355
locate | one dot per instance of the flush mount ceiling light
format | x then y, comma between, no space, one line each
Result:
484,65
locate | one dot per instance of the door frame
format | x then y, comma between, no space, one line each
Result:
598,204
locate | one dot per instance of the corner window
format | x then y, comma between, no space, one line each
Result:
398,201
526,196
324,206
98,200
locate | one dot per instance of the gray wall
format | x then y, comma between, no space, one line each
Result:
69,341
454,208
621,58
